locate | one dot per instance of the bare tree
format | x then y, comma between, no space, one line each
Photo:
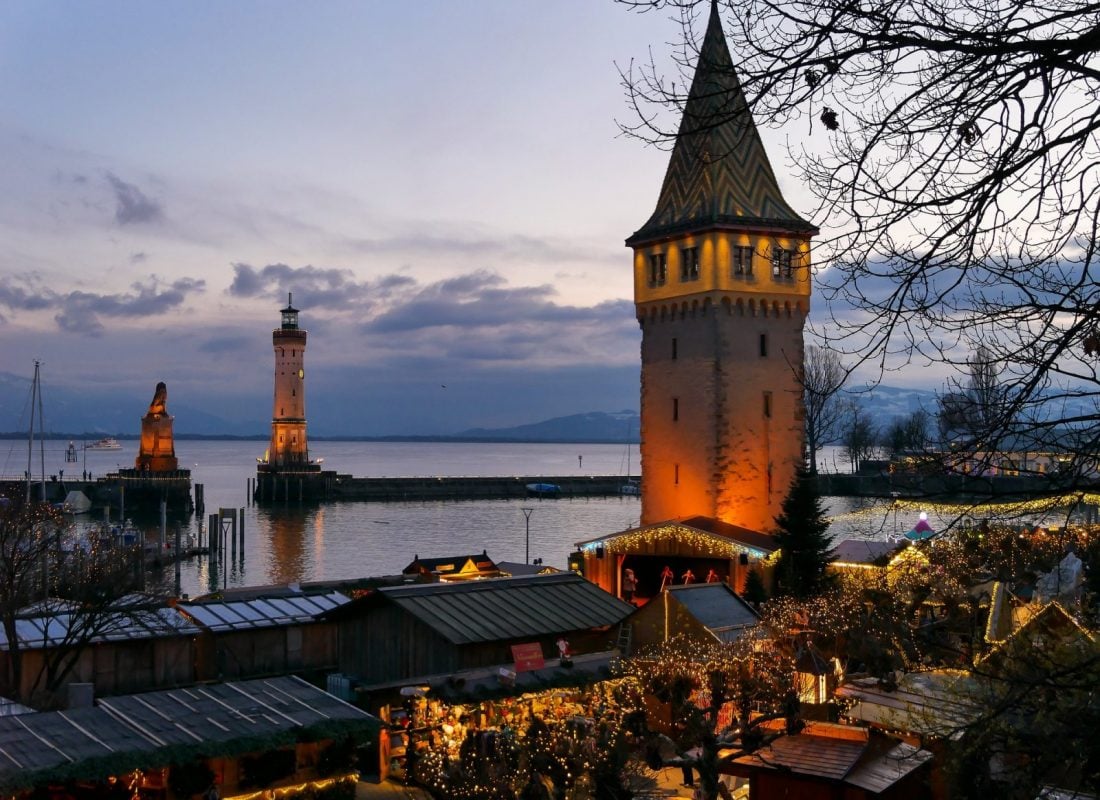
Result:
950,148
858,435
56,601
822,377
907,435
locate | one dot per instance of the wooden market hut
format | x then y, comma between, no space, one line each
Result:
420,630
452,568
696,544
250,735
137,646
835,762
267,635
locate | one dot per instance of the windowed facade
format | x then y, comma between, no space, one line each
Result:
782,263
741,260
658,269
689,263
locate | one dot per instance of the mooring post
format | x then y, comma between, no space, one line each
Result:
242,535
178,559
212,537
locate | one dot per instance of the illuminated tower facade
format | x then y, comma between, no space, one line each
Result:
288,450
721,290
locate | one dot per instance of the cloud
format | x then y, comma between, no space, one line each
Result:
81,312
329,288
132,204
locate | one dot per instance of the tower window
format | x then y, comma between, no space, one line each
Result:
763,345
675,409
741,257
782,263
658,269
676,474
673,348
689,263
767,405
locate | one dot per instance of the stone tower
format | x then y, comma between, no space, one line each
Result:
721,290
288,450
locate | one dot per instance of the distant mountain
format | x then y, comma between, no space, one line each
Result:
884,404
102,412
595,426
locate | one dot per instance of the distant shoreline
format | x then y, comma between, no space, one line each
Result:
91,437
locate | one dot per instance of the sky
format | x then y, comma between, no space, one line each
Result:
441,185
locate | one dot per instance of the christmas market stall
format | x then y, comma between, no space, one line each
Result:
272,633
280,737
410,633
677,552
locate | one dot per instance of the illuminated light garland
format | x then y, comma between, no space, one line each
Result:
1003,509
286,791
630,541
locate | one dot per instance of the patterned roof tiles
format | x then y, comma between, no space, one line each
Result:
719,174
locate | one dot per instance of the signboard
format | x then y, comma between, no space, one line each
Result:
528,656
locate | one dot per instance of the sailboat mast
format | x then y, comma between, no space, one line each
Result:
30,434
41,434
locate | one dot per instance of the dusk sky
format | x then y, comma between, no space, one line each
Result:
441,185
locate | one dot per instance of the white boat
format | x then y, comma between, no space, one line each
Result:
107,443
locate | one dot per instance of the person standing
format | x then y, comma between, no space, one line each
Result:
667,577
688,576
630,584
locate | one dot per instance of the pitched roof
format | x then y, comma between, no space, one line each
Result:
263,612
139,728
55,624
839,753
728,536
717,607
447,565
509,608
719,174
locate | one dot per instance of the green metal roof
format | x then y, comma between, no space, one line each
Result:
509,608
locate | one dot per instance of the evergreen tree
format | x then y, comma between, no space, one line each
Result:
803,539
755,591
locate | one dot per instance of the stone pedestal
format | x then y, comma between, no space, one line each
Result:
158,452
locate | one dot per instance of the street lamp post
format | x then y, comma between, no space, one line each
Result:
527,534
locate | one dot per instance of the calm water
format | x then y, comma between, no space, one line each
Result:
348,540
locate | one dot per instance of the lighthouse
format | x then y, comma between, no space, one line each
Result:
288,451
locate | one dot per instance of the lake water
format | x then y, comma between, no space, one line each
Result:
355,539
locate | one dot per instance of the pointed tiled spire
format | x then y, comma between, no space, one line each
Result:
719,174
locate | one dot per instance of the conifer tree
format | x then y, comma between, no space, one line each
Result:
802,533
755,592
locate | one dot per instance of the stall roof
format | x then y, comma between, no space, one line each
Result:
742,538
58,626
224,711
508,608
139,725
262,612
717,607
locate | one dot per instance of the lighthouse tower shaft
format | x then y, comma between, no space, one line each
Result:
288,449
721,291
